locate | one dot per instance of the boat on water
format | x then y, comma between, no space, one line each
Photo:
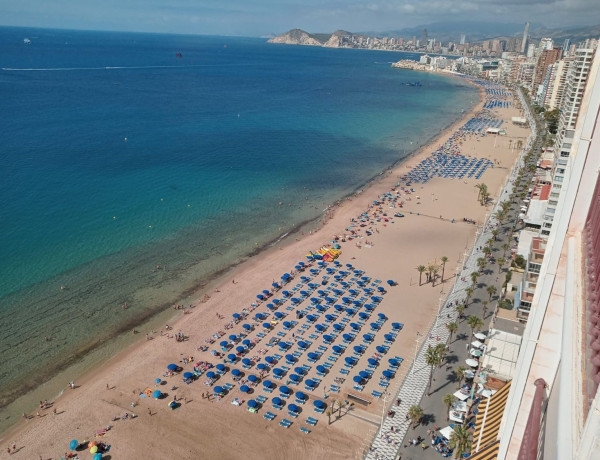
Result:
26,41
178,55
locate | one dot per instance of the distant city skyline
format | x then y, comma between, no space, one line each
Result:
265,17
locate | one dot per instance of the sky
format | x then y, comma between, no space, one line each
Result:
265,17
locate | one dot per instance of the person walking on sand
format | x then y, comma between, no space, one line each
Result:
149,412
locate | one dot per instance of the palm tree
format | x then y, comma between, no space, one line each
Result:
415,415
481,262
449,401
340,404
460,374
491,290
452,328
487,250
421,269
485,304
479,188
432,358
495,234
444,260
430,269
460,309
460,440
434,272
328,414
501,262
474,322
469,292
441,350
474,277
505,248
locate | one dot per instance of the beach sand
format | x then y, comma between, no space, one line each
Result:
209,428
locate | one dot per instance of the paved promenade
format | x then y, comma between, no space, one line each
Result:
393,439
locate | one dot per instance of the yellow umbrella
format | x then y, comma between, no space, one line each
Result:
94,449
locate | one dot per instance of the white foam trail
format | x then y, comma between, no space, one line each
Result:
67,69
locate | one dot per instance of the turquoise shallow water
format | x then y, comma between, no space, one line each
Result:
118,156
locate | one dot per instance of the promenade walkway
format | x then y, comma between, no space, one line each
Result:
393,439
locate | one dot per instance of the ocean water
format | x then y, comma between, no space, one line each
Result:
117,156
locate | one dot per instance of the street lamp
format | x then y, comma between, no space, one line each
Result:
416,349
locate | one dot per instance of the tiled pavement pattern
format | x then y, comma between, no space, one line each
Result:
414,385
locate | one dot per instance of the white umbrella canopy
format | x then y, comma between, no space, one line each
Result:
480,336
446,432
471,362
477,344
476,353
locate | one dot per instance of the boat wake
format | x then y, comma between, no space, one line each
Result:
67,69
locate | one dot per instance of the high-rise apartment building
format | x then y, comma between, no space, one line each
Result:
525,38
559,81
546,58
463,39
553,407
424,38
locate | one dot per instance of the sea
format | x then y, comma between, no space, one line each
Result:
137,167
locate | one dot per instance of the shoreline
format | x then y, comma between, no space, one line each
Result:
89,407
150,317
208,284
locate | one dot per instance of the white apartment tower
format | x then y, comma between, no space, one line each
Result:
525,37
577,77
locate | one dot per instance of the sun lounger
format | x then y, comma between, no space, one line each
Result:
229,386
286,423
319,410
344,371
269,416
311,421
262,399
377,394
334,388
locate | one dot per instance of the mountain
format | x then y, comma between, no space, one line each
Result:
300,37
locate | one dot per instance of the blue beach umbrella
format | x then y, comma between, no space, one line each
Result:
302,345
157,381
267,325
380,349
285,390
246,342
364,374
338,327
260,297
270,359
277,401
236,372
372,361
221,366
97,456
224,343
240,349
299,370
388,374
279,315
293,408
337,349
244,388
290,358
311,383
321,308
252,378
375,326
218,390
295,378
363,315
357,378
277,371
347,337
236,316
369,307
321,369
271,306
355,326
381,315
210,375
247,326
388,337
230,357
350,360
188,375
252,403
247,362
394,362
172,367
338,308
301,396
74,444
268,384
156,394
358,349
319,404
313,355
261,366
287,324
277,301
396,325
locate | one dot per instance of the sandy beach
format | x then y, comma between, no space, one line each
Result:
432,226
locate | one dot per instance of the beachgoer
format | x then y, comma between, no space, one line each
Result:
149,411
8,450
54,411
